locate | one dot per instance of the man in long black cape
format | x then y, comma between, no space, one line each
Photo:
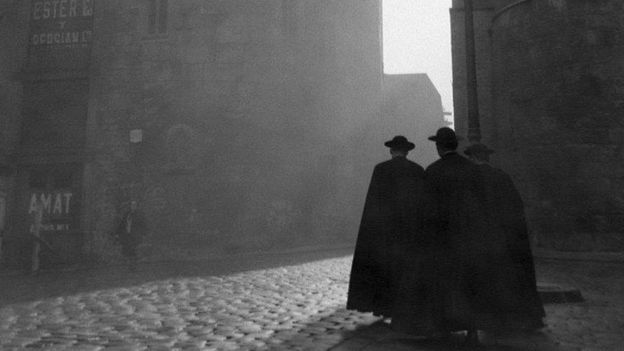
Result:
518,301
453,288
432,296
388,223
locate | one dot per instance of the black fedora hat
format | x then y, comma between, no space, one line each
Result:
444,135
400,142
479,148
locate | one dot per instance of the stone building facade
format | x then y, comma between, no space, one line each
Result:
551,88
237,125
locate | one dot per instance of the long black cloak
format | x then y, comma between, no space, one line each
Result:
388,222
520,301
437,295
471,281
465,248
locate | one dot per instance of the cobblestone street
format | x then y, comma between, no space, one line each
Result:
290,308
298,306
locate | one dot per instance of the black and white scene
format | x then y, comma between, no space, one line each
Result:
311,175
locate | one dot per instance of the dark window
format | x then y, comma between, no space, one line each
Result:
54,116
157,16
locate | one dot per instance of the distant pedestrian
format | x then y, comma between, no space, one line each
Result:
388,223
519,304
130,233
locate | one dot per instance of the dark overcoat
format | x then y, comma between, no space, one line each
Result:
465,246
471,275
434,293
388,222
519,299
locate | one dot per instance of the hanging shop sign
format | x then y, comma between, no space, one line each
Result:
61,33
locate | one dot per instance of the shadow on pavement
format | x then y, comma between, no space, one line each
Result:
379,336
328,328
47,284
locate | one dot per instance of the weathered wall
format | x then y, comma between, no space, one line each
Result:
555,92
13,42
13,52
255,119
558,83
247,111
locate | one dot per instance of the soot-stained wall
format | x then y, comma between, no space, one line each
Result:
236,125
249,114
553,111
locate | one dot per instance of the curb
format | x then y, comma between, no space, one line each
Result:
616,257
555,294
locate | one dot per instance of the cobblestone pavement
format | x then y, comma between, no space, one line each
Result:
295,307
594,325
597,323
291,308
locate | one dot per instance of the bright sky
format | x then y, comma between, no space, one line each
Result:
417,39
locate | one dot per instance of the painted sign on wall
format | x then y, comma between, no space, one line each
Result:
57,210
61,32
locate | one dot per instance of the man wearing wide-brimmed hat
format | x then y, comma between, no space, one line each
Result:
453,219
513,282
389,220
419,308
